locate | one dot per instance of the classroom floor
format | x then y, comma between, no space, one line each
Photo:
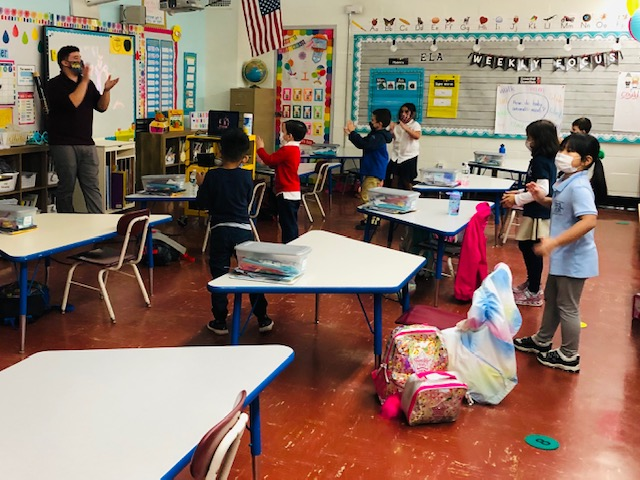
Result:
321,418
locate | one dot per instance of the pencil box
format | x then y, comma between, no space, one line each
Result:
432,397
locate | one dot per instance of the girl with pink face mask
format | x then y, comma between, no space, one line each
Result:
403,167
542,141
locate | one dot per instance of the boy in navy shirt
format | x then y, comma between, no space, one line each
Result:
226,193
375,157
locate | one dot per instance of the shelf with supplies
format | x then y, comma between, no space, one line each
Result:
160,153
31,182
117,176
202,152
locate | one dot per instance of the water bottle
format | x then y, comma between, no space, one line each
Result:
454,202
502,149
192,180
464,181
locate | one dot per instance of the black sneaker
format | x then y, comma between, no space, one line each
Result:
528,344
219,327
265,324
557,359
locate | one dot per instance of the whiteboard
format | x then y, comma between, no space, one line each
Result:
108,54
519,105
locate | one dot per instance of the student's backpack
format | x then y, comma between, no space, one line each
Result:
410,349
37,301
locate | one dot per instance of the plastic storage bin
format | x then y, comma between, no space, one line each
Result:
489,158
8,181
28,179
13,139
162,183
393,199
443,177
16,217
320,149
272,259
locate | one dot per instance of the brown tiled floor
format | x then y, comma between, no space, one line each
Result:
320,417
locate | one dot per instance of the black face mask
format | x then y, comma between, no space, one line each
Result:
77,67
371,126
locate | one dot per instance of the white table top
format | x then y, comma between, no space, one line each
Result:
61,231
433,214
477,183
121,413
338,264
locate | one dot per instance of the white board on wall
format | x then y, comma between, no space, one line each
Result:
519,105
108,54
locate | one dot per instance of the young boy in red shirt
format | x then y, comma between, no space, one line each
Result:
285,161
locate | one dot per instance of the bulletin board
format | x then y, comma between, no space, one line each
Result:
588,69
108,54
391,87
304,80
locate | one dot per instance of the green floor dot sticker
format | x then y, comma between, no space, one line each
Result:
542,442
583,325
622,223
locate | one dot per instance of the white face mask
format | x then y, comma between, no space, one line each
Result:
563,163
282,140
527,144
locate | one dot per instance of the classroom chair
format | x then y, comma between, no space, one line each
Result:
322,171
214,454
254,210
133,226
510,218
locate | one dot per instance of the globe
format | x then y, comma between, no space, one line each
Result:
255,71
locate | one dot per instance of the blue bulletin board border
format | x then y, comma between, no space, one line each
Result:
360,39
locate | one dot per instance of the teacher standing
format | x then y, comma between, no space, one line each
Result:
72,99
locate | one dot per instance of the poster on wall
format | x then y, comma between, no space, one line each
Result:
443,96
392,87
625,115
519,105
304,69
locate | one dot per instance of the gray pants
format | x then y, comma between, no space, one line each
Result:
561,307
81,162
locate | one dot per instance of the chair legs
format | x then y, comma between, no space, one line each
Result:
508,225
306,207
253,229
320,205
207,232
103,275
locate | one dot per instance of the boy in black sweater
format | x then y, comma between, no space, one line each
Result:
226,193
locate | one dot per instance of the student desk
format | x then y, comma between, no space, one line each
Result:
431,214
477,184
58,232
511,166
336,264
189,195
125,413
341,157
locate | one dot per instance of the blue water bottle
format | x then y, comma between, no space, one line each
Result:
454,202
502,148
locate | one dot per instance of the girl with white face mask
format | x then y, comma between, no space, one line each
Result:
570,247
542,141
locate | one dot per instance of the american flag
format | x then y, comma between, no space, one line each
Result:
264,25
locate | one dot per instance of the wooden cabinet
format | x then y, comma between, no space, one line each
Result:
117,176
31,185
261,102
160,153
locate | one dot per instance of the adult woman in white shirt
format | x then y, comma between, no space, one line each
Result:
403,167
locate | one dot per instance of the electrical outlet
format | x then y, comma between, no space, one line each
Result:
353,9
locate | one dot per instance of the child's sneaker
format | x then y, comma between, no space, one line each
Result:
529,299
557,359
265,324
521,288
528,344
219,327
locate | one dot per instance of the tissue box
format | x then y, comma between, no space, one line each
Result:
15,217
158,127
489,158
272,258
393,199
28,179
443,177
8,181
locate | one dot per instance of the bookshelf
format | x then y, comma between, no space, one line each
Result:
32,183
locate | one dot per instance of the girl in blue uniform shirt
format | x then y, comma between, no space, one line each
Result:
571,248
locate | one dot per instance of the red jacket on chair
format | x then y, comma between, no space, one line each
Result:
472,267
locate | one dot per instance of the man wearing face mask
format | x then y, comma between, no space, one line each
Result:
72,98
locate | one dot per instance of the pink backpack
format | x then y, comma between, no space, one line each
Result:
433,397
410,349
